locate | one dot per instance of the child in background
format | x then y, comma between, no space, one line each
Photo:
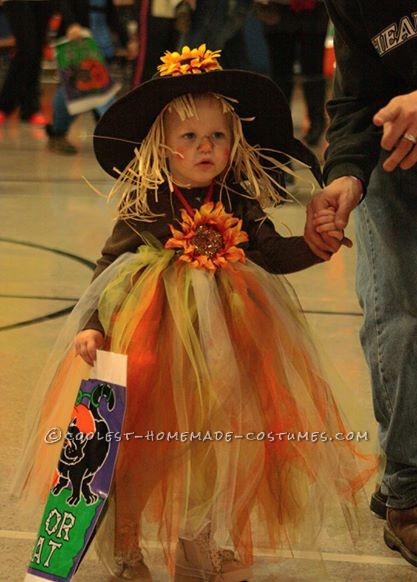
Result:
186,286
101,18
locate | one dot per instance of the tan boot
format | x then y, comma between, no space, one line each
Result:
200,560
131,566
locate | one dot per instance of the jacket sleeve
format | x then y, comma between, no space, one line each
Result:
361,88
268,249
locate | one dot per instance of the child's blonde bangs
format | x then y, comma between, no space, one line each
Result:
250,166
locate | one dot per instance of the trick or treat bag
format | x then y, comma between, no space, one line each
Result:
84,75
83,477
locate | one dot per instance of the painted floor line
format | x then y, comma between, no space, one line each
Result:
325,556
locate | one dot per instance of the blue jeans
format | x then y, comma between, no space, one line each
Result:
387,289
63,118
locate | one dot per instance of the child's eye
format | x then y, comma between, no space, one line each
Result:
219,135
189,135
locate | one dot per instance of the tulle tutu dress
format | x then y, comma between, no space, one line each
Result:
222,371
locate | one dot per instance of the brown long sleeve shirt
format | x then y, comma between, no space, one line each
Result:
268,249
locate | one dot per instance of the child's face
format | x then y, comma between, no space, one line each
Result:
201,145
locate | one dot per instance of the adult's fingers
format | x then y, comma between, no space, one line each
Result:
409,160
392,134
337,234
347,242
333,244
346,205
398,119
387,114
394,123
400,152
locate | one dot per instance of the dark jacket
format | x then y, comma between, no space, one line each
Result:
376,51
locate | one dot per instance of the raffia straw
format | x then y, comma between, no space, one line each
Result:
250,166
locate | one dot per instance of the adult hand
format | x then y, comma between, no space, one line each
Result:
87,343
399,122
342,195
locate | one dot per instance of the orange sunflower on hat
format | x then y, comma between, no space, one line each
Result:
189,61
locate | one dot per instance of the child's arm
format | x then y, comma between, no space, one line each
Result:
124,238
275,253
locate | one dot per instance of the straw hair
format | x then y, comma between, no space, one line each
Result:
250,166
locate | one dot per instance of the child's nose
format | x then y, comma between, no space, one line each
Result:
205,143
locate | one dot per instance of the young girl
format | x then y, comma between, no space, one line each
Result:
219,353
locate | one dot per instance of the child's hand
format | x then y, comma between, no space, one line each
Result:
75,31
87,343
324,222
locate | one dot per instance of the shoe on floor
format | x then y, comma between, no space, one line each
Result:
199,559
59,144
378,504
400,533
132,566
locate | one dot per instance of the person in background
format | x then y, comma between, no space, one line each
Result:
295,30
372,155
220,23
158,32
101,18
28,21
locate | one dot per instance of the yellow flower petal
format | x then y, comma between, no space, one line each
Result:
190,61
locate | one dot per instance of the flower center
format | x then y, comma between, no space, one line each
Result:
207,241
